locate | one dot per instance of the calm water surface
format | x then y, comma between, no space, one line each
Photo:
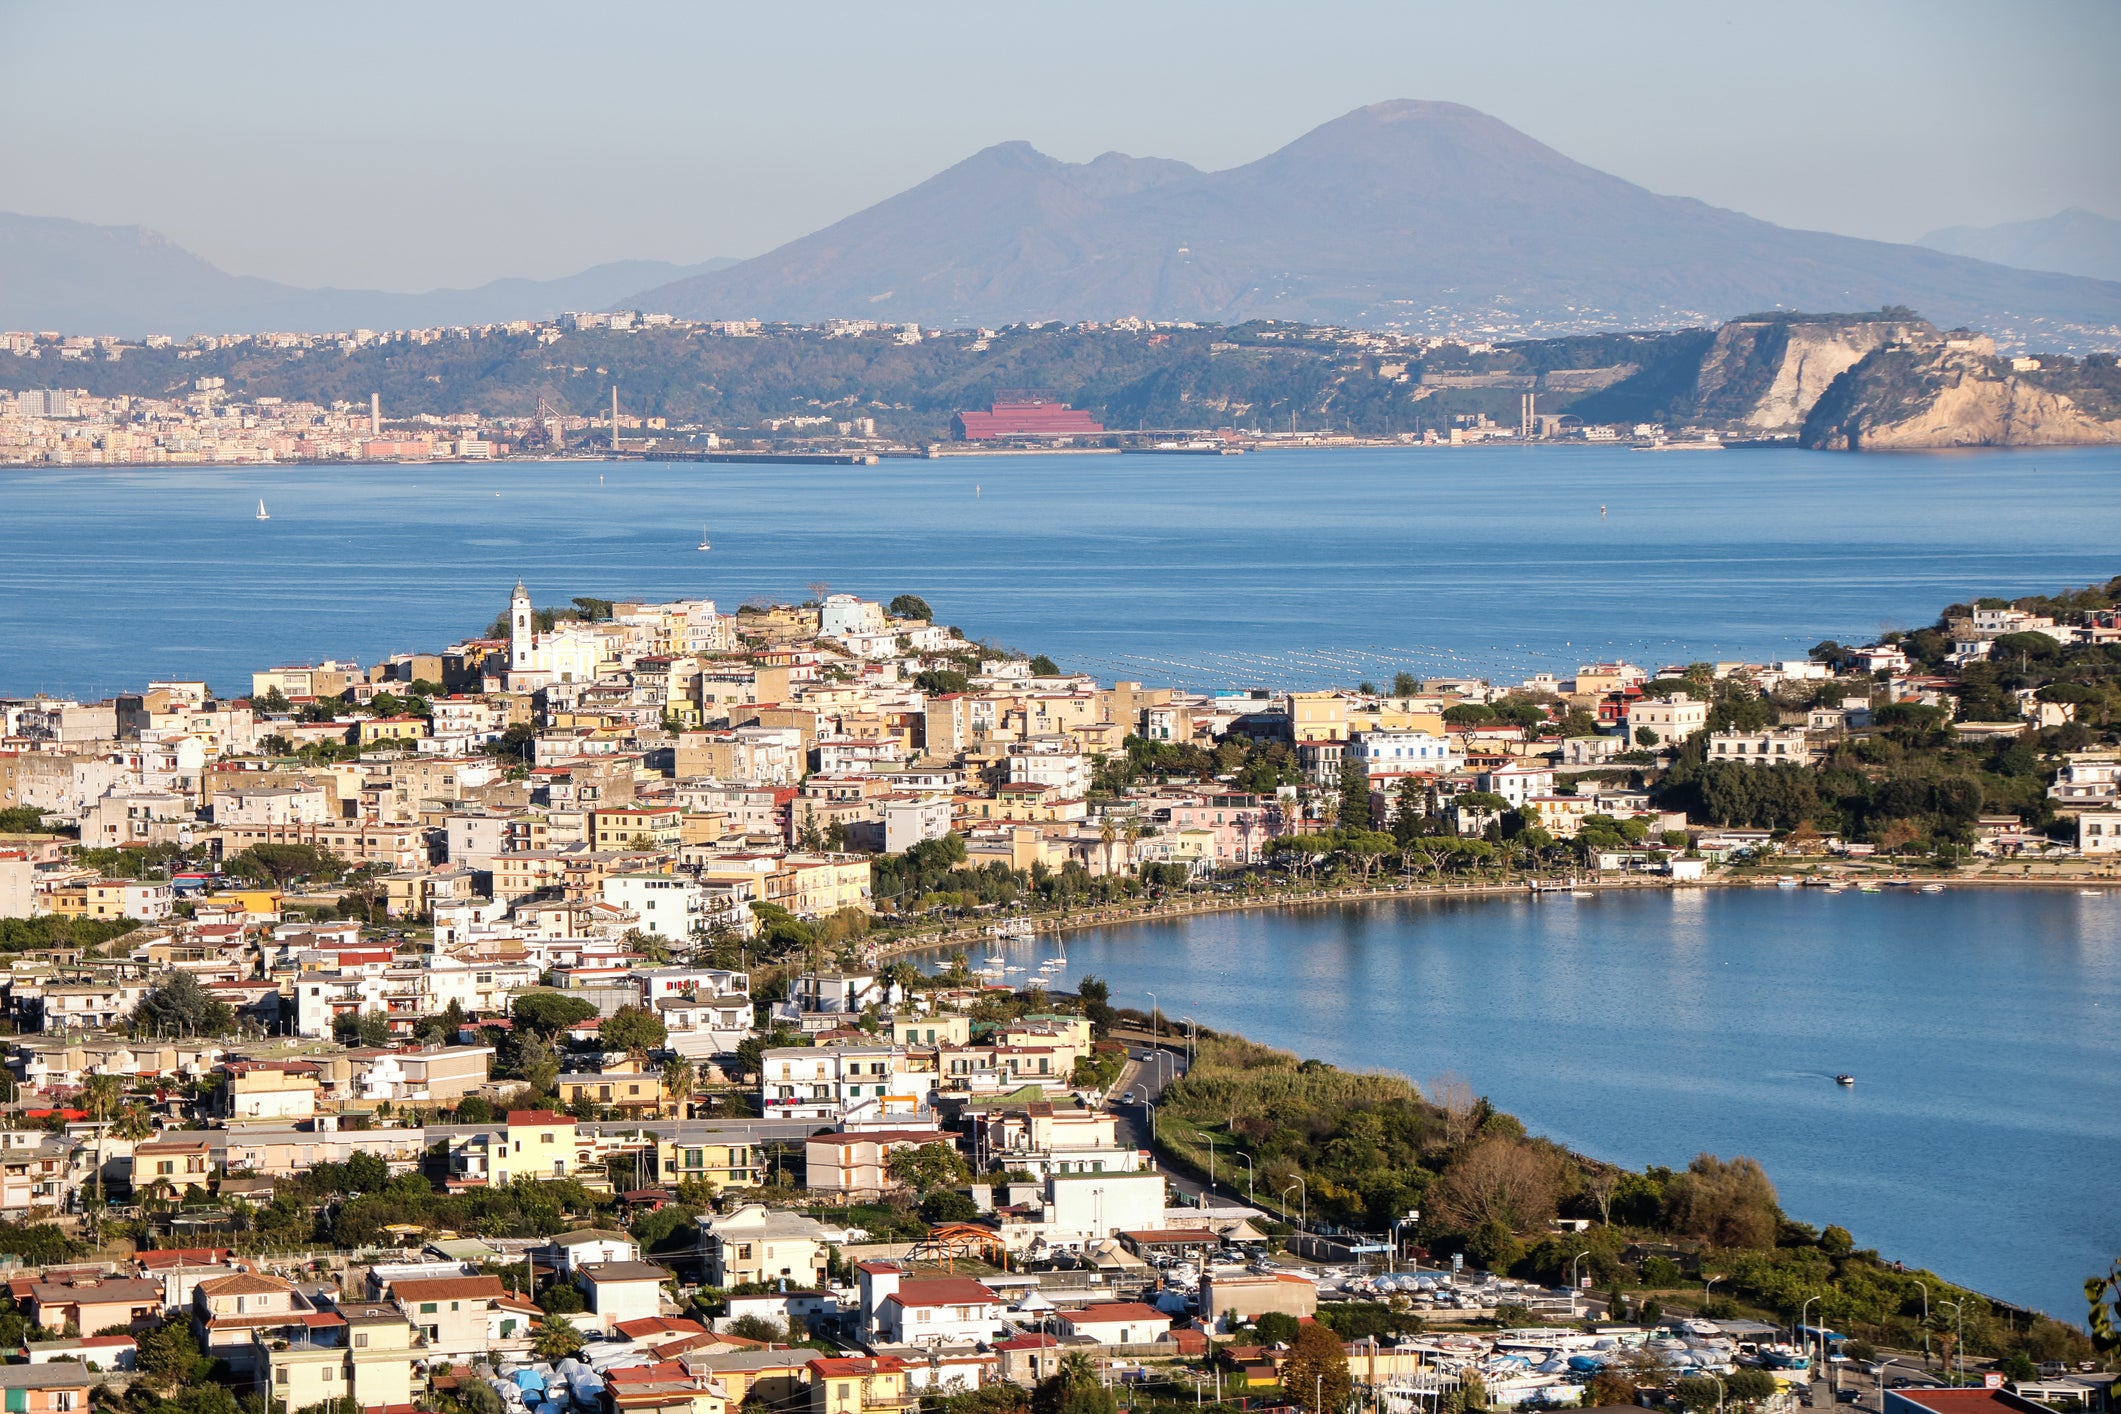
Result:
1982,1138
1276,569
1982,1135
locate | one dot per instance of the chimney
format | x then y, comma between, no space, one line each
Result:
375,414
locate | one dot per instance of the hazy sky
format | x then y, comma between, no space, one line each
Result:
449,142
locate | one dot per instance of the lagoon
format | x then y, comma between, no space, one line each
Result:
1982,1137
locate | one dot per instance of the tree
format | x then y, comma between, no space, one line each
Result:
1277,1327
1354,795
1405,684
181,1007
758,1328
2102,1295
167,1353
1044,667
283,863
1644,736
947,1205
924,1168
368,1028
1316,1372
678,1080
555,1338
562,1298
910,606
1724,1203
549,1013
634,1030
1500,1179
1074,1389
941,682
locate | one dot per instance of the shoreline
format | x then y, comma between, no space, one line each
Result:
1110,916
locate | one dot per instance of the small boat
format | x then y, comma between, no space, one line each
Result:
261,510
1870,888
2091,893
1931,889
1785,882
1844,1079
703,539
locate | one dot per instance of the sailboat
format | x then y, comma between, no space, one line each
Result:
261,509
703,539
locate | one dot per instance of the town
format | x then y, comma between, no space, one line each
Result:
202,400
529,1023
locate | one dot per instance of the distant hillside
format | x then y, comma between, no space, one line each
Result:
127,280
1758,376
2074,242
1408,214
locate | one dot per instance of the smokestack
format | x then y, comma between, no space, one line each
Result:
614,417
375,414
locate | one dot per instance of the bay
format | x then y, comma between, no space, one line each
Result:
1982,1138
1275,569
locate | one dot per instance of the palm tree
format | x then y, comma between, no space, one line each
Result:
1108,833
678,1077
555,1338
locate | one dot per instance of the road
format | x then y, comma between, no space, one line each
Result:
1150,1067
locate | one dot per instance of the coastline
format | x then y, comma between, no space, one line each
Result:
1116,915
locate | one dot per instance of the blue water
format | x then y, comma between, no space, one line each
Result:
1982,1138
1274,569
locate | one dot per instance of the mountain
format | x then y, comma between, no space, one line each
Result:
128,280
2074,242
1407,214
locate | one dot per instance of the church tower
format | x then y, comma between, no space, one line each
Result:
519,634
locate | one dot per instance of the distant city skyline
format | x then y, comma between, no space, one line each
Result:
408,148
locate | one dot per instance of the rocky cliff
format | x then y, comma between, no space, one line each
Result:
1956,393
1765,374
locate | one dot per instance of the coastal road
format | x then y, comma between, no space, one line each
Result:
1150,1067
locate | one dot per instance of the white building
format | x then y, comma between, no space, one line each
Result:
844,1083
1777,746
1394,753
1054,762
2099,832
1518,784
1673,719
843,614
669,907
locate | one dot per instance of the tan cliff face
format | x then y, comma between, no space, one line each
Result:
1809,358
1965,402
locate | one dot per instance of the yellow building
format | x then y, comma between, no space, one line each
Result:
726,1165
375,729
622,828
532,1144
369,1359
856,1385
815,885
1318,716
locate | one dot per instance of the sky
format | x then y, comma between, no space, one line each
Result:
409,146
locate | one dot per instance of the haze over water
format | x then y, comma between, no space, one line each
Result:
1982,1136
1275,569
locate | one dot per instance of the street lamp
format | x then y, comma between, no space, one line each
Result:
1211,1157
1573,1287
1706,1283
1959,1339
1721,1394
1249,1202
1150,1106
1154,1031
1303,1193
1804,1341
1192,1031
1925,1320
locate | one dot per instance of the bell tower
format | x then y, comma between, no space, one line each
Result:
519,634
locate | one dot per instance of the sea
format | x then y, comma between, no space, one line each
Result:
1981,1135
1274,569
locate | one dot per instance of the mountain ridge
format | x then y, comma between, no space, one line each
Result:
1407,214
2073,241
132,280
